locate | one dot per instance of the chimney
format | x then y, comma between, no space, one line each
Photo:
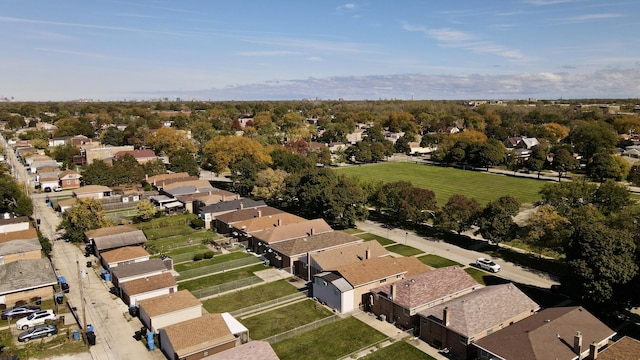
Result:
577,343
446,317
367,254
279,222
593,351
259,213
241,206
393,292
222,197
311,231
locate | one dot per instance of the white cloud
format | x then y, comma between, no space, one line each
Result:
590,17
267,53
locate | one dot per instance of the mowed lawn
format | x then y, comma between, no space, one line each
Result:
284,318
445,182
249,297
328,342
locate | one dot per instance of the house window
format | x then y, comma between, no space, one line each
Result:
324,283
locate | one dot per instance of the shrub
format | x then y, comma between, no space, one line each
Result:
197,223
197,257
208,254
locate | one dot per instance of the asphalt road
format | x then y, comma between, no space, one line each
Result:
509,270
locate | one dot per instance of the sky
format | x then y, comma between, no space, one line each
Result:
319,49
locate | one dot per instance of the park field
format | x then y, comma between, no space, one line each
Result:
445,181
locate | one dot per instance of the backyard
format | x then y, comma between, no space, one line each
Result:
328,342
445,182
220,278
249,297
398,350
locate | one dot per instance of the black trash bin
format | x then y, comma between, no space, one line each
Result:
133,311
91,338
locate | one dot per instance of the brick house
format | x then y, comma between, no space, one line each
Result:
400,302
457,323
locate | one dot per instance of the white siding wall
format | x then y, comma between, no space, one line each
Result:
133,300
327,294
160,321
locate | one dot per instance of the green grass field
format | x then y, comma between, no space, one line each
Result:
445,182
284,318
382,240
404,250
328,342
217,279
217,259
437,261
398,350
249,297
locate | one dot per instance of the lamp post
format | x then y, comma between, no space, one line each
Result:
82,302
406,235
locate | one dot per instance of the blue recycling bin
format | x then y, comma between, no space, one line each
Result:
89,328
150,341
76,335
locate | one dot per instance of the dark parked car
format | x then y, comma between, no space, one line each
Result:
38,331
19,312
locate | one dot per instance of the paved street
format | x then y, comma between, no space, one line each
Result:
509,270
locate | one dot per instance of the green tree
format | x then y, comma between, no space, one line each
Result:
606,166
495,223
112,136
99,173
85,215
14,200
486,154
146,210
183,161
563,162
458,214
126,171
537,160
154,167
65,154
611,197
591,137
546,229
599,258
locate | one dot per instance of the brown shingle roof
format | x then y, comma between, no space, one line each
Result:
483,309
19,235
195,183
548,334
161,177
267,222
91,189
246,214
139,268
296,228
124,253
333,258
14,220
624,349
307,244
253,350
165,304
202,333
419,290
376,269
150,283
110,230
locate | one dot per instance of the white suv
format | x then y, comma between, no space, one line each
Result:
34,319
488,265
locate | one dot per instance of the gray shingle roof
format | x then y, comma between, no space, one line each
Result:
26,274
19,246
139,268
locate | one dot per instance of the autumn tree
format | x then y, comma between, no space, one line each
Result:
495,222
167,141
270,184
146,210
546,229
224,152
85,215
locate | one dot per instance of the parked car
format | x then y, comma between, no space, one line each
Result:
37,318
488,265
57,188
37,332
19,312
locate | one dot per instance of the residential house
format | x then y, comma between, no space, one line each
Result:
294,254
142,156
66,204
102,153
158,180
204,336
113,237
57,141
328,259
10,223
192,202
400,302
69,179
627,348
48,184
92,192
19,245
139,270
187,187
26,281
123,255
210,212
147,287
562,333
346,288
253,350
223,223
162,311
265,231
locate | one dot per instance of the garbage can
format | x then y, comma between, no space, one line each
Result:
59,298
107,277
133,311
76,335
89,328
39,301
150,342
91,338
61,320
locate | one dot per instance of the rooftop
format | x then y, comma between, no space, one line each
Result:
123,254
330,259
268,222
317,242
139,268
253,350
283,226
149,283
19,235
376,269
169,303
26,274
197,334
